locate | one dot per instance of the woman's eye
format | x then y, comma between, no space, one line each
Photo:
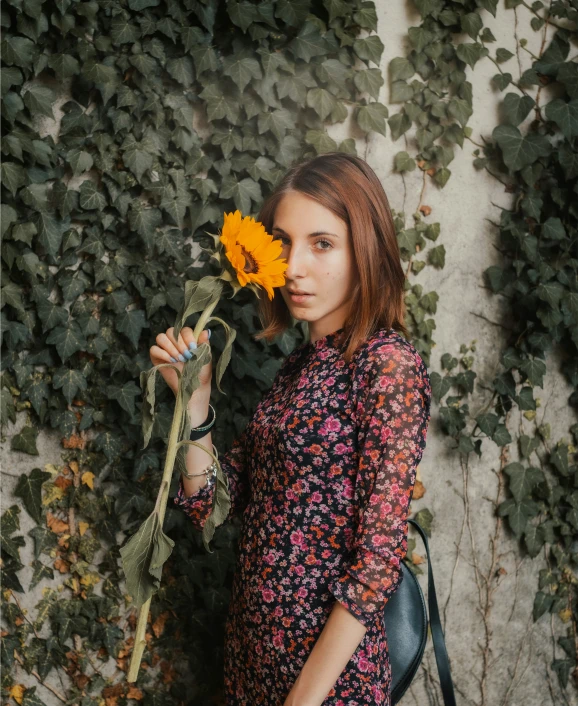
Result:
326,244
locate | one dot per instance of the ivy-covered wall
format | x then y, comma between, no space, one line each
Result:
127,130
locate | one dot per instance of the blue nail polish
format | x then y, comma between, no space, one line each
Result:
173,360
192,345
181,358
188,355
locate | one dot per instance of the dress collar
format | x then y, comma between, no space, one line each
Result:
330,340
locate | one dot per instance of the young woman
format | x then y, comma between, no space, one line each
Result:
324,473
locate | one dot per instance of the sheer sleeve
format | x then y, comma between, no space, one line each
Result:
198,506
393,412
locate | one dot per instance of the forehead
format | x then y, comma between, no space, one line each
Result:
297,213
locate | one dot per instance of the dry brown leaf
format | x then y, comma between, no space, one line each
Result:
55,525
418,490
17,692
88,479
417,558
426,210
62,565
62,482
73,466
159,624
82,527
74,441
134,693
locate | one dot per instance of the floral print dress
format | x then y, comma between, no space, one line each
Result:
322,477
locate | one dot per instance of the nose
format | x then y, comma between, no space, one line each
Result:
296,261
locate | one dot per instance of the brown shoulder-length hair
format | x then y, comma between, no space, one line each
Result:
347,186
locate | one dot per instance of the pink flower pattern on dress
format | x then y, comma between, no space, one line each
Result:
322,476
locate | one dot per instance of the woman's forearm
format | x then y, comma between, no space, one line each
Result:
334,648
198,460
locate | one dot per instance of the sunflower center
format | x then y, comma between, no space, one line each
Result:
250,262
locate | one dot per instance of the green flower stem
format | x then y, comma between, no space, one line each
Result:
161,502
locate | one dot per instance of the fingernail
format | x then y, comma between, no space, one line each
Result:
192,345
188,355
181,358
209,332
173,360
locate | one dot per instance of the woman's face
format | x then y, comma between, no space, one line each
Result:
320,261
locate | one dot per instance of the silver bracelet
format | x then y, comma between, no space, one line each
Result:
210,472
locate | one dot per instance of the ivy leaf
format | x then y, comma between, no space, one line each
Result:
131,323
321,141
554,57
519,151
137,160
535,370
503,55
369,81
29,488
39,100
460,109
425,518
70,381
7,409
470,53
10,523
49,230
241,191
80,161
242,70
124,395
322,101
40,571
44,540
401,69
67,339
471,24
50,314
522,479
403,162
13,176
308,43
25,441
565,115
371,117
517,108
542,603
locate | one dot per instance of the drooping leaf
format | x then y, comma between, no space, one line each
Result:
143,557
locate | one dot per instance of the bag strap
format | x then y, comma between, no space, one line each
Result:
436,629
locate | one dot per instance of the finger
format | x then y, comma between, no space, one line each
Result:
163,341
184,348
159,354
204,336
183,352
188,336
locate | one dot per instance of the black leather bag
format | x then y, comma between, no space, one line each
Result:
406,627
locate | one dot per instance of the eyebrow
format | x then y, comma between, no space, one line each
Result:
311,235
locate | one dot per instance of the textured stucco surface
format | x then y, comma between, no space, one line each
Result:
517,672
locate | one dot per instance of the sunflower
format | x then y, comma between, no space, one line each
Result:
253,253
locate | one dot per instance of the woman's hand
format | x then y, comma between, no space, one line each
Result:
178,352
